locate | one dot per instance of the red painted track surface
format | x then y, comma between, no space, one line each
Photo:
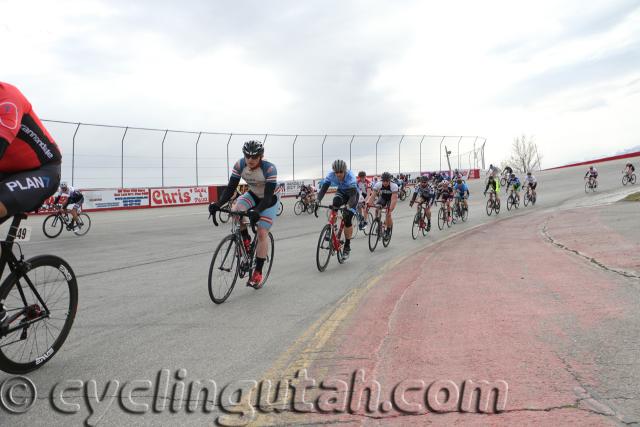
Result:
513,313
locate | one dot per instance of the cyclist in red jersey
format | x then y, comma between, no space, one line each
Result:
29,158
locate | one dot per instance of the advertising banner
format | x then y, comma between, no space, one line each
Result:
179,196
116,198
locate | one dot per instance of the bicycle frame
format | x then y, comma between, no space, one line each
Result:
333,218
15,265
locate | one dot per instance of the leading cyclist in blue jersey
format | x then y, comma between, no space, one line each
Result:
347,194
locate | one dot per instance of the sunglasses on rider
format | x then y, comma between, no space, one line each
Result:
256,157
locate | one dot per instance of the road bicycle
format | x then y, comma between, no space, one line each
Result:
628,179
53,224
590,184
493,204
331,241
459,211
513,201
419,225
232,260
302,206
404,192
445,216
379,229
529,196
38,304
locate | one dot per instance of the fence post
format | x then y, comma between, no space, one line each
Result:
294,157
73,153
350,142
379,136
441,153
122,158
322,156
163,139
459,152
420,172
197,141
228,141
399,144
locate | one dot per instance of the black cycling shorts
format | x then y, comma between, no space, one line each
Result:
383,201
347,197
26,191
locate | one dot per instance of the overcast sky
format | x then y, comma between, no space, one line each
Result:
566,72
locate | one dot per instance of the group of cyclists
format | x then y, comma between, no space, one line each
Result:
511,181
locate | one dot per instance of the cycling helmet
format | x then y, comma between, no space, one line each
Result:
424,179
491,166
386,176
513,175
253,148
362,174
590,167
63,184
528,173
339,166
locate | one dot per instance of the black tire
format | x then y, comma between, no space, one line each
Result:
299,207
415,227
49,275
464,214
526,199
280,208
632,180
489,207
510,202
324,249
441,217
374,234
228,255
402,195
52,226
84,223
625,179
311,207
503,182
586,187
496,207
268,263
385,241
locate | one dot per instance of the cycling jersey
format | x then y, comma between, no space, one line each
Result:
363,185
515,182
461,188
593,172
28,144
256,178
73,195
530,179
349,181
386,192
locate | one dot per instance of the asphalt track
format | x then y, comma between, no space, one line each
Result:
144,305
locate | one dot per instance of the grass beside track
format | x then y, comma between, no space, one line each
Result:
635,197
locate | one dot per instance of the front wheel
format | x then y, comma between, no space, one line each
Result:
489,207
510,203
415,227
324,249
299,207
223,271
280,208
503,182
632,180
52,226
402,195
268,262
526,199
374,234
41,304
386,238
625,179
441,217
83,224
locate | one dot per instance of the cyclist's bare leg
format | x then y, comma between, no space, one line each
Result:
262,247
388,222
3,210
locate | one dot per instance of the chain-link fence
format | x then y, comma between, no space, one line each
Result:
96,155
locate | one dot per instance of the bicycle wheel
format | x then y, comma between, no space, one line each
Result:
510,202
355,226
386,239
52,226
450,219
374,234
415,227
268,262
503,182
441,218
311,207
586,187
496,207
625,179
280,208
84,224
223,271
324,249
299,207
489,207
464,214
526,199
402,195
36,334
632,180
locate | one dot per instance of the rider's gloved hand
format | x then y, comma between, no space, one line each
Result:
214,208
254,216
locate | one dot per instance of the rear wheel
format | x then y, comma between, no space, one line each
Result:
386,238
299,207
496,207
324,249
223,271
441,217
526,199
510,202
36,333
415,227
465,213
625,179
489,207
374,234
52,226
268,262
632,180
